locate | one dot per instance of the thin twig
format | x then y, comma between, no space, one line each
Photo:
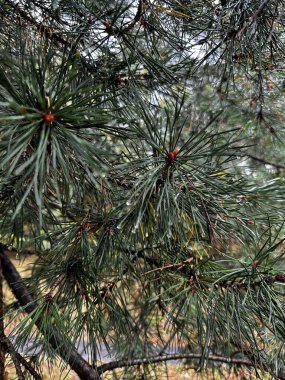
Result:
265,162
274,23
253,17
171,266
137,18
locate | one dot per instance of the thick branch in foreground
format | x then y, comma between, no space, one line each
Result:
83,369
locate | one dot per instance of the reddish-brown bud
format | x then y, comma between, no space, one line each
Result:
255,263
109,29
48,117
171,156
107,25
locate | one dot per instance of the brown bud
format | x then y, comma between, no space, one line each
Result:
48,117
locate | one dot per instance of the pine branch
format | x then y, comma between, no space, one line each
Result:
20,291
163,358
260,9
91,269
48,33
18,360
250,354
265,162
175,266
280,277
45,30
106,290
139,14
48,11
253,17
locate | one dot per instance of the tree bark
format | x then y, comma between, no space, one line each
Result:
83,369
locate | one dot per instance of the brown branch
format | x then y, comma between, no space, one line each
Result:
136,19
172,266
163,358
253,17
71,356
8,347
18,359
274,24
265,162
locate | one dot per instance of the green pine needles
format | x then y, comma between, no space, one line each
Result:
141,164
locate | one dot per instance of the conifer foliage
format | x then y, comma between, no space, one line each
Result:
141,149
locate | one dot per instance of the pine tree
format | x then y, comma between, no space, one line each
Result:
141,162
